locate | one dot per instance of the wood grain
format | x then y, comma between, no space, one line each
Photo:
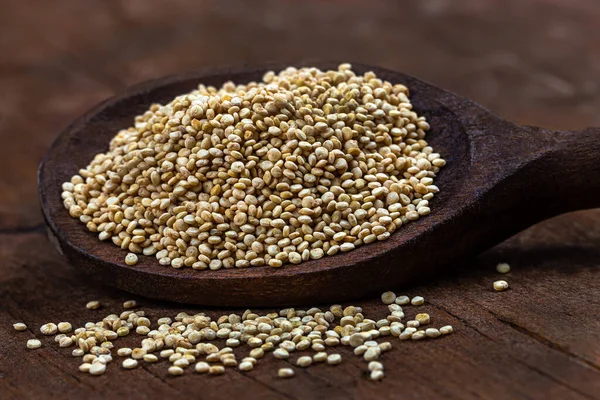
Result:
534,62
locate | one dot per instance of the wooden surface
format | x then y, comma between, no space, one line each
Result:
534,62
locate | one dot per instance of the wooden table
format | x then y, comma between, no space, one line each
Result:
535,62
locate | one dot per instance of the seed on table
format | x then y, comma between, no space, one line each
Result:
249,359
34,344
356,340
131,259
375,366
446,330
499,286
76,352
417,301
142,330
175,371
202,367
246,366
360,350
257,353
124,352
19,326
285,373
304,361
151,358
85,367
130,304
376,375
182,362
432,332
65,342
167,353
334,359
385,346
216,370
97,369
64,327
372,354
388,297
48,329
93,305
129,363
402,300
418,335
281,353
423,318
320,357
413,323
503,268
89,358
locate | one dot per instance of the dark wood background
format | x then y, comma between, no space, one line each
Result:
535,62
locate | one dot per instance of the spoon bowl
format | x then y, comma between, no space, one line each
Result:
499,179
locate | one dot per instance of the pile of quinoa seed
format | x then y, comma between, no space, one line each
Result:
197,342
304,164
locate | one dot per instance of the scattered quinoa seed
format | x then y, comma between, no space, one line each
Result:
93,305
503,268
446,330
34,344
65,327
334,359
285,373
131,259
130,304
388,297
175,371
417,301
19,326
376,375
500,286
130,363
402,300
49,329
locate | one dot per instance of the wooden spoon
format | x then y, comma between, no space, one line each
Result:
500,178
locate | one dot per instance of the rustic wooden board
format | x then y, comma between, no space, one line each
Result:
533,62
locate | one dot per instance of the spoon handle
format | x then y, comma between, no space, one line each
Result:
569,171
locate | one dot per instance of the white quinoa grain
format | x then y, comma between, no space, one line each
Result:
19,326
304,361
285,373
49,329
175,371
432,332
131,259
93,305
64,327
97,368
503,268
246,366
500,286
417,301
375,366
129,363
388,297
334,359
34,344
446,330
376,375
